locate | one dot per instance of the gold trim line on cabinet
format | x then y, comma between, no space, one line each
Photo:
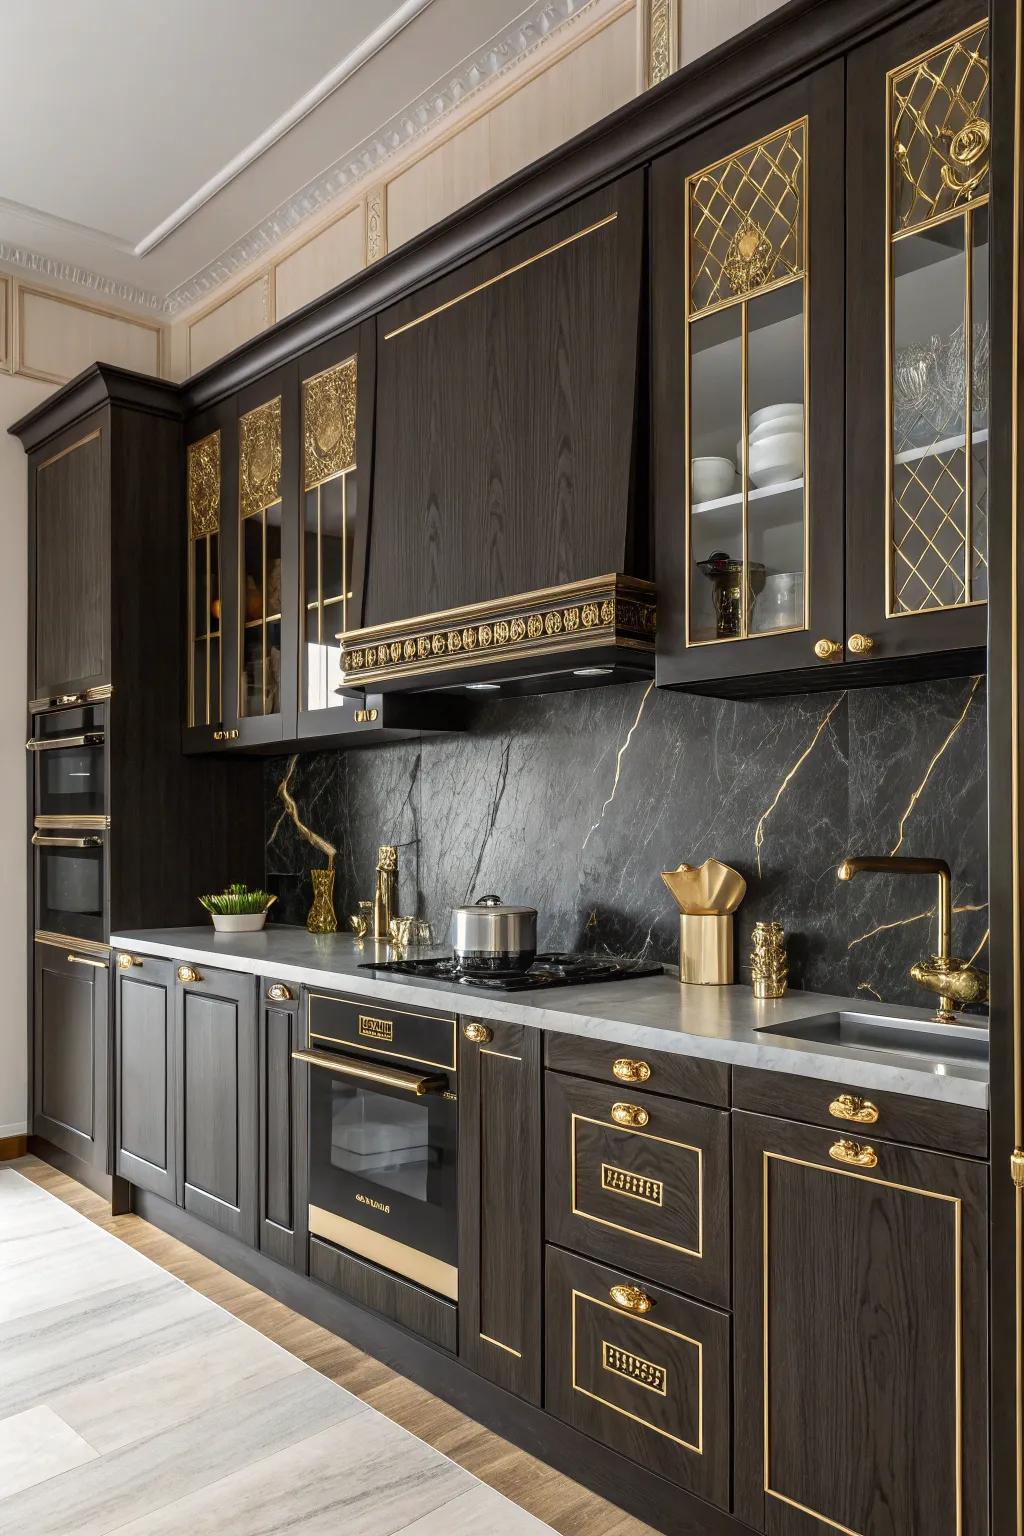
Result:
66,941
500,276
499,1345
90,437
95,695
92,823
907,1189
1014,694
387,1252
646,1237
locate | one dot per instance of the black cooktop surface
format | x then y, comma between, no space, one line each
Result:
548,970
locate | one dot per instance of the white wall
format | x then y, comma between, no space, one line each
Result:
16,397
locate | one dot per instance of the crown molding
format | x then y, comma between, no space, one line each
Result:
20,259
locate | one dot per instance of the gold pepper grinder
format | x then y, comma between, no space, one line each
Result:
769,968
384,892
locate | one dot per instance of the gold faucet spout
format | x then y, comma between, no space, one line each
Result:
895,864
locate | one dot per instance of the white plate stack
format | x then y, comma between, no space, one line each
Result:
775,445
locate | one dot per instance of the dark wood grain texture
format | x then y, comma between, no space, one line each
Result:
518,475
920,1122
71,1053
874,1300
654,1386
420,1311
683,1077
216,1105
283,1111
654,1198
500,1208
146,1076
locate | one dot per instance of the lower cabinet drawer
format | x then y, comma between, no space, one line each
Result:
652,1382
641,1181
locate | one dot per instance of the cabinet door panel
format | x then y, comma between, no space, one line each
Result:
861,1329
216,1046
146,1078
282,1117
500,1256
70,1052
70,550
211,498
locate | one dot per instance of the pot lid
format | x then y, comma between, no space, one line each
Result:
495,904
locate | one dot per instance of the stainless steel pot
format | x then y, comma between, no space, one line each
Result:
491,939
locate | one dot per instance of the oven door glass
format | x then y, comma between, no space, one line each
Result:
382,1165
69,883
69,752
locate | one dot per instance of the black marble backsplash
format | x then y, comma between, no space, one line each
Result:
574,802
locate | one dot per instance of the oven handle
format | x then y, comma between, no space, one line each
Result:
51,743
39,841
390,1077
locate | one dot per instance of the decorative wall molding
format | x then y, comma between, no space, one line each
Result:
50,269
5,324
375,223
658,34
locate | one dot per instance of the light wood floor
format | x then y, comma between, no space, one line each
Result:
566,1506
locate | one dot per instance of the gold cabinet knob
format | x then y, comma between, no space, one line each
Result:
827,650
629,1114
631,1298
629,1071
126,961
479,1034
277,992
188,973
850,1106
859,645
857,1153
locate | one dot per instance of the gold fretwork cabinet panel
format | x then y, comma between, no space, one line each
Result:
918,338
210,478
747,296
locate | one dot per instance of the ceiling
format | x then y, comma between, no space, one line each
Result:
157,146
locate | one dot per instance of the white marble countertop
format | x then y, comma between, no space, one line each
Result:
656,1012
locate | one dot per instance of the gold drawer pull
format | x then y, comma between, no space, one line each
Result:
629,1114
99,965
827,650
188,973
850,1106
479,1034
631,1298
857,1153
277,992
629,1071
125,961
860,644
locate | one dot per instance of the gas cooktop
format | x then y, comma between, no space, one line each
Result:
548,970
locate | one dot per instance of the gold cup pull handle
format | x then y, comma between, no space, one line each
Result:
629,1071
827,650
277,992
850,1106
125,961
478,1034
630,1114
631,1298
859,645
187,973
857,1154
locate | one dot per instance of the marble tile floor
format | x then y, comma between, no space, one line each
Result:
130,1402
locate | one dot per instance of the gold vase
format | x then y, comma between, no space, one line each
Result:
321,917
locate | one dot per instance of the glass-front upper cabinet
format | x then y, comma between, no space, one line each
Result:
209,484
747,339
918,171
336,405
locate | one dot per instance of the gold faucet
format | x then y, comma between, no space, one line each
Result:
384,892
956,981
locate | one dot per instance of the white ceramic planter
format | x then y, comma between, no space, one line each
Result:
239,922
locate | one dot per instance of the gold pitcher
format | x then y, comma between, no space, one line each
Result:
322,917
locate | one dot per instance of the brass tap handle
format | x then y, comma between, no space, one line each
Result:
478,1034
850,1106
629,1071
277,992
828,650
859,645
125,961
856,1153
630,1114
631,1298
187,973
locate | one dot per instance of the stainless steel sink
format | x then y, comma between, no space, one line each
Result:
893,1035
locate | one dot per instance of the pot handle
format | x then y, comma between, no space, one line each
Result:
489,901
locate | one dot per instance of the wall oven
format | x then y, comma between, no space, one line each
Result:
68,746
70,825
383,1137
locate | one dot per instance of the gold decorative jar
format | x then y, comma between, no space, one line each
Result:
321,918
769,967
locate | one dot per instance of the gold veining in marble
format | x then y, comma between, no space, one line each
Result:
291,812
915,797
805,754
618,763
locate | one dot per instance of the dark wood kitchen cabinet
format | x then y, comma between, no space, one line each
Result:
146,1075
71,1051
861,1390
283,1110
500,1204
216,1048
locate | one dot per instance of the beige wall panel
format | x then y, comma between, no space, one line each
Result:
239,318
5,323
590,81
176,351
324,262
58,337
706,23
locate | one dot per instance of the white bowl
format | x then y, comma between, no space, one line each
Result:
238,922
773,428
711,477
780,458
774,413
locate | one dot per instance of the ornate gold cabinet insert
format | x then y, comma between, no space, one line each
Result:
937,335
259,560
204,605
746,387
329,527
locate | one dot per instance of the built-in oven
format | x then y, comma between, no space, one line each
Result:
68,746
383,1137
69,882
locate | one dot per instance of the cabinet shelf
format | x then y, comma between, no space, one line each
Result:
735,498
933,450
272,618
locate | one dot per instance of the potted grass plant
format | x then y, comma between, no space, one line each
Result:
238,910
